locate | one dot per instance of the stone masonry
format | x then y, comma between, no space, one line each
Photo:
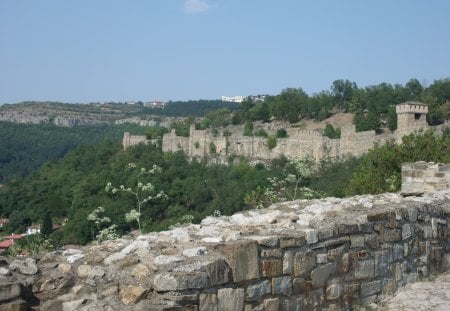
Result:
327,254
230,142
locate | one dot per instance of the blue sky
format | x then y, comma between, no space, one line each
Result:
120,50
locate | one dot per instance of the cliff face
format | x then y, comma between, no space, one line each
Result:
317,255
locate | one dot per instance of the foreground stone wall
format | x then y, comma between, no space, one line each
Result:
328,254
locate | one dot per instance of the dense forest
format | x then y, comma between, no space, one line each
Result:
25,147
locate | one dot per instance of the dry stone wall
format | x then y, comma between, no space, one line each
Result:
328,254
421,177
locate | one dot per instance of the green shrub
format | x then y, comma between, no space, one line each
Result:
271,142
281,133
261,133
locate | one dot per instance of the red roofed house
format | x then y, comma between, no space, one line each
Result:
6,244
9,240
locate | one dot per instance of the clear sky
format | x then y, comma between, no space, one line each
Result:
120,50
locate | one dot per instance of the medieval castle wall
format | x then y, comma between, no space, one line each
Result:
229,142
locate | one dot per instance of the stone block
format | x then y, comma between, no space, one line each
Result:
412,214
288,262
268,253
334,253
427,232
321,258
172,281
304,263
272,304
300,285
398,252
229,299
256,291
282,286
243,260
334,289
16,305
392,235
286,242
343,264
9,291
370,288
383,260
217,272
344,229
208,302
130,294
357,241
372,241
320,275
271,267
365,269
407,231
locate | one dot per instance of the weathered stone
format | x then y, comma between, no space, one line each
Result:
272,304
314,300
270,268
217,272
140,271
84,270
16,305
129,260
427,232
229,299
304,263
392,235
27,266
343,264
171,281
370,288
208,302
398,252
72,305
335,253
406,231
320,275
282,286
383,260
357,241
256,291
243,260
372,241
4,272
197,251
321,258
97,272
300,285
334,289
389,287
9,291
365,269
267,253
107,289
130,294
286,242
288,262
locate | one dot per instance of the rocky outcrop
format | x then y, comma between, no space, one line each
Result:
324,254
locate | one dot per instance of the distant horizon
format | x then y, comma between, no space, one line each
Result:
180,50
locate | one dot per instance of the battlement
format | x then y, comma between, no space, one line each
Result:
412,107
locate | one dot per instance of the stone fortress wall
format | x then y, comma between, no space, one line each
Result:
299,143
328,254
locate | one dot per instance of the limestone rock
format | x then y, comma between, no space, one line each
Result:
130,294
27,266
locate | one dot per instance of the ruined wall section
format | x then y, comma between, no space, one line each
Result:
299,143
132,140
328,254
422,177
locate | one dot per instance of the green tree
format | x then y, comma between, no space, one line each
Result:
46,225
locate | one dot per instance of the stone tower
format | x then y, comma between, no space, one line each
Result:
411,116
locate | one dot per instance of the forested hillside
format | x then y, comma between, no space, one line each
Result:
25,147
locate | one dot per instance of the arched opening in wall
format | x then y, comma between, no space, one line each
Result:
417,116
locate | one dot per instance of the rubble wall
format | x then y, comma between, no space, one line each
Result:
327,254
